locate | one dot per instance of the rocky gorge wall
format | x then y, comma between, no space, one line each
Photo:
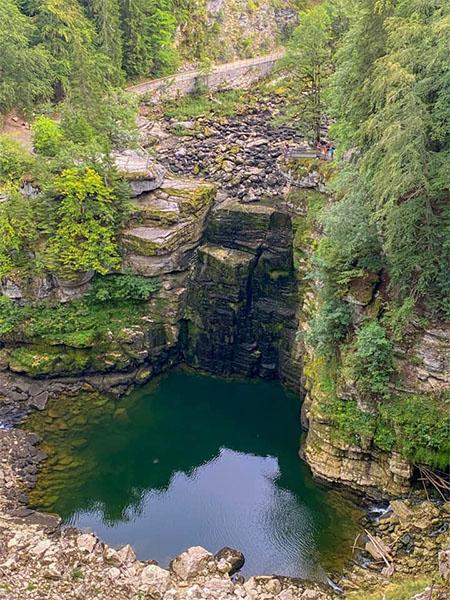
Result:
227,232
420,369
225,293
224,226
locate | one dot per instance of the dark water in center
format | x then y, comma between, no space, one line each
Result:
194,460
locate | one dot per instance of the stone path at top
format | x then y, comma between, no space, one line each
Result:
218,73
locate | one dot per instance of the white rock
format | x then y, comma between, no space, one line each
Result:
217,588
126,554
195,592
273,586
156,579
311,595
114,573
250,585
86,542
110,554
41,547
444,564
194,562
286,595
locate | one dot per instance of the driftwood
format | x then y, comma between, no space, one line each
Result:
439,482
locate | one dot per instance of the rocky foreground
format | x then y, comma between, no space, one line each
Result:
41,560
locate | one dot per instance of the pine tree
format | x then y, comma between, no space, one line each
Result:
137,58
161,30
308,67
106,14
25,67
391,96
69,36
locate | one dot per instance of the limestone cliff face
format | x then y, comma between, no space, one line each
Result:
421,364
226,298
164,231
243,297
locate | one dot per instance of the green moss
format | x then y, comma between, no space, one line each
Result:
401,587
47,360
149,213
140,245
275,275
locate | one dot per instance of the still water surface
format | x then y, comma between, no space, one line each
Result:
195,460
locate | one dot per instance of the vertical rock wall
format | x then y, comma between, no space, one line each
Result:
243,294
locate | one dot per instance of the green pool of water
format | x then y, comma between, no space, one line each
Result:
194,460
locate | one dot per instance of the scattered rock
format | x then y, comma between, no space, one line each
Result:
86,542
157,579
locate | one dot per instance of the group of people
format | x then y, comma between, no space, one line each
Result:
325,150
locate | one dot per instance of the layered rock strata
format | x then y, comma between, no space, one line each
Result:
243,296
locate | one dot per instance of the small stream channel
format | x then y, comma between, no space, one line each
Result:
191,460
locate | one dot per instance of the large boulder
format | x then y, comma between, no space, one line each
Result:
156,581
195,562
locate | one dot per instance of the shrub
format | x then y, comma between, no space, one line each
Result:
124,287
422,428
15,162
17,227
372,360
84,238
329,327
349,422
47,136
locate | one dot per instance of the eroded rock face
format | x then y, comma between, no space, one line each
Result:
377,474
242,298
422,367
161,240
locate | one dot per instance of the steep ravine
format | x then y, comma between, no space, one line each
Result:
231,253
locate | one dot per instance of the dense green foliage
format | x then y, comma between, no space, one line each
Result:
84,236
308,65
417,426
47,136
382,260
372,360
112,303
14,162
25,66
70,222
54,49
390,97
17,231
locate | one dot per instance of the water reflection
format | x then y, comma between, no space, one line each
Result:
193,460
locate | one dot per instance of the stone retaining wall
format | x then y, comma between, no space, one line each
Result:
236,75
